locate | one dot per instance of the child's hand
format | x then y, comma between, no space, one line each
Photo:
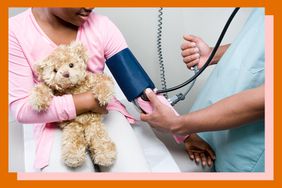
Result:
199,150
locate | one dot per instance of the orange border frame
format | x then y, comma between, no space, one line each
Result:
272,8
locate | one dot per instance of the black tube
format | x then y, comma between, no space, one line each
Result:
209,59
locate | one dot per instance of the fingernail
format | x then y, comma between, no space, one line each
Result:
193,44
148,90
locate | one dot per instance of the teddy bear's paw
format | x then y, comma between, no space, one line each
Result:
105,156
105,99
74,158
40,98
103,88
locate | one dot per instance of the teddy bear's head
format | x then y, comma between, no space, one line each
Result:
65,67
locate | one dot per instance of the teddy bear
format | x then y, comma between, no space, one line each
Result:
64,72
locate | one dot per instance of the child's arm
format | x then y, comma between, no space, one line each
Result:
21,84
86,102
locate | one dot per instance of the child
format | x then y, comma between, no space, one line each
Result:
33,35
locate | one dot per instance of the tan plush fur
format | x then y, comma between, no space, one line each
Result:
86,131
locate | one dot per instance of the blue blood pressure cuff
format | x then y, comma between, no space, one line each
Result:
129,74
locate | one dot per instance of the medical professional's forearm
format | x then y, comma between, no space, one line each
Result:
221,50
231,112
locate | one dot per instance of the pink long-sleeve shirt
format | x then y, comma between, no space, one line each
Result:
27,44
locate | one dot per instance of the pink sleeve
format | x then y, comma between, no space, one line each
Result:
20,85
114,41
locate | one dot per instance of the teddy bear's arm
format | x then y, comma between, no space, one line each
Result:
41,97
102,87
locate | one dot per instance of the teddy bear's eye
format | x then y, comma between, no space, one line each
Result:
71,65
55,70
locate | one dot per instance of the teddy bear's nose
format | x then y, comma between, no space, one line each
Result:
66,74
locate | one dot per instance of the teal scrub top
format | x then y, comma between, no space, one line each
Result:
240,68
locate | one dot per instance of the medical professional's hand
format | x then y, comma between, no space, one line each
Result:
199,150
162,117
194,51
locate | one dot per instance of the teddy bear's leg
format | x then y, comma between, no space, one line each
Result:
102,149
41,97
73,145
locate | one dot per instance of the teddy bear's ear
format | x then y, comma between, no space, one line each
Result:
80,50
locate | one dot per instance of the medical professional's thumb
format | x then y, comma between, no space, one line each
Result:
152,97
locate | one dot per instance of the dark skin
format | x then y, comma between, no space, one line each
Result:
198,150
225,114
61,26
